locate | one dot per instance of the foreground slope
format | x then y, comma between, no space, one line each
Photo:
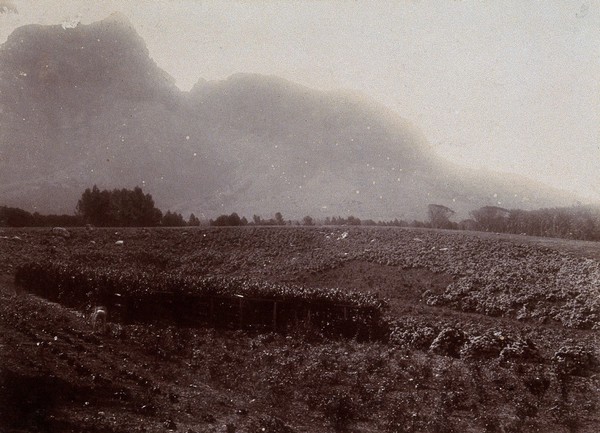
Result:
88,106
487,334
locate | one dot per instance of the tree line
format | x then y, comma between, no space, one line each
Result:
235,220
133,208
575,222
102,208
16,217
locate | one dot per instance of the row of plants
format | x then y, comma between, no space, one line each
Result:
73,279
175,298
493,277
80,286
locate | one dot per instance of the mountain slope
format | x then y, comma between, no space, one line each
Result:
83,106
330,153
88,106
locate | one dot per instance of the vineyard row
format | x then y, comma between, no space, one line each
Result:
213,301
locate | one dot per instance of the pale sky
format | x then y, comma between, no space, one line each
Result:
512,86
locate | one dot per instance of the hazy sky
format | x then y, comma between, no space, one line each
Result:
512,86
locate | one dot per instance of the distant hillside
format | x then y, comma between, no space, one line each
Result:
88,106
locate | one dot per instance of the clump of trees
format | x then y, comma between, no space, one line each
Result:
276,221
118,208
439,216
172,219
235,220
308,221
229,221
193,221
15,217
576,222
490,218
339,221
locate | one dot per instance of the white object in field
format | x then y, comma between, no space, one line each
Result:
98,319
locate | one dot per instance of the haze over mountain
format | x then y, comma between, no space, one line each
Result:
87,105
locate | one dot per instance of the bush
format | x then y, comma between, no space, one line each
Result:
448,342
171,296
576,360
483,346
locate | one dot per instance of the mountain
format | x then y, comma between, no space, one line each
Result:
87,105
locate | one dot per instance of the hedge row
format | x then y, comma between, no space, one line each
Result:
184,299
75,278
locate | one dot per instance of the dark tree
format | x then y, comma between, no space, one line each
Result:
279,219
118,208
15,217
491,218
94,206
352,221
308,221
172,219
193,221
229,220
439,216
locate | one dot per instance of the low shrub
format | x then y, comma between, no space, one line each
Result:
576,360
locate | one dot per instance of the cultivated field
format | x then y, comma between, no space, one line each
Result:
298,329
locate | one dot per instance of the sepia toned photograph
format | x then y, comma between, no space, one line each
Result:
299,216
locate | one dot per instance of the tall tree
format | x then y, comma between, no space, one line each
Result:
173,219
279,219
118,208
229,220
308,221
193,221
439,216
491,218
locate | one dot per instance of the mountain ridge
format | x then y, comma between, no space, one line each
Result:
87,105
